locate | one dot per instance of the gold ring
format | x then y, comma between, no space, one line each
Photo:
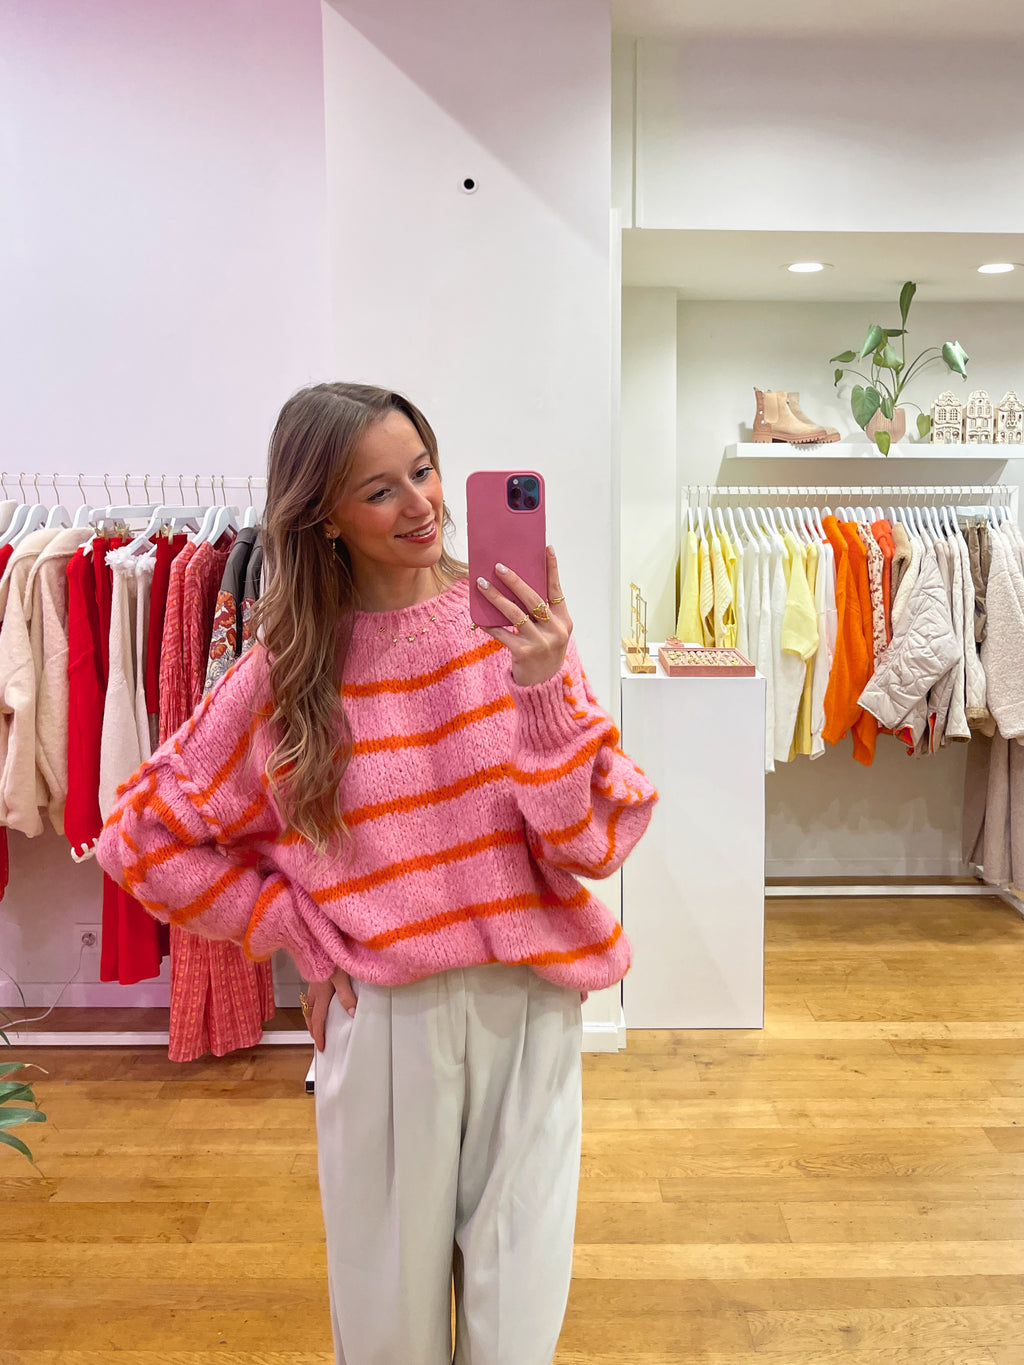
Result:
555,601
519,624
304,1001
540,612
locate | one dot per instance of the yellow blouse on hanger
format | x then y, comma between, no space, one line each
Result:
688,626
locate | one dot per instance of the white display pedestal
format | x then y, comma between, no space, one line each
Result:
693,888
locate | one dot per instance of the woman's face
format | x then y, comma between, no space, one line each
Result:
389,515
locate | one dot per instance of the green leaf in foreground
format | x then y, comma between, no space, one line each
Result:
883,440
16,1143
924,425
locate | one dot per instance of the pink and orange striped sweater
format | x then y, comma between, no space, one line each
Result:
473,805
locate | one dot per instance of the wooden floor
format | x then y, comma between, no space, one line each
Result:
846,1185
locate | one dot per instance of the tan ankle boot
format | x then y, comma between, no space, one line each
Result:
794,407
774,421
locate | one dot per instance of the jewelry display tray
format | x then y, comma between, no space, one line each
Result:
689,661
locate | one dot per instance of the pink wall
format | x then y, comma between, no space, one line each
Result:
163,236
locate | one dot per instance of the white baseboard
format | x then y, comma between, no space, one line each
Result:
601,1036
597,1037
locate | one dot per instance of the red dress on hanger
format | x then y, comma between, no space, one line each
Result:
130,940
219,999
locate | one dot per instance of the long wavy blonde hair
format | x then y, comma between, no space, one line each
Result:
305,614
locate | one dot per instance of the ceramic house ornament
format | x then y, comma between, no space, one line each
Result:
947,420
1009,421
978,418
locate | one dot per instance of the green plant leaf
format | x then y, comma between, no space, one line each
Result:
10,1118
844,358
906,299
883,440
924,425
17,1144
874,339
839,375
7,1067
864,403
887,359
955,357
886,407
11,1090
895,331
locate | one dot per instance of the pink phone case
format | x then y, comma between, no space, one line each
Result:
499,533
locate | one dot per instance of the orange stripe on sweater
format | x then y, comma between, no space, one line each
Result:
434,924
435,797
263,900
255,806
568,832
391,743
538,777
202,903
436,675
227,767
573,955
613,820
425,862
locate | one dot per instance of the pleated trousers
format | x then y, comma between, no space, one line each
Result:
448,1126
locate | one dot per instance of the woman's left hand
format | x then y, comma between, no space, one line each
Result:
542,626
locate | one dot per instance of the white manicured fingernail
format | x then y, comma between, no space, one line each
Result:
501,568
483,584
351,1012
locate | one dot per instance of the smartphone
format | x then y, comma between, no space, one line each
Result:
505,524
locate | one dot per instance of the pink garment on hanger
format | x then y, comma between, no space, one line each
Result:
219,999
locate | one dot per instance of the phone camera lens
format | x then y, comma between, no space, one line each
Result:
531,502
530,485
515,495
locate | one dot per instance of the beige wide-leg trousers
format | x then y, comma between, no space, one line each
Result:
448,1126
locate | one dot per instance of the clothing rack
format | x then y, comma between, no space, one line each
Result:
141,491
694,496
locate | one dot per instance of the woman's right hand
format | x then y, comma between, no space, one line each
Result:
318,996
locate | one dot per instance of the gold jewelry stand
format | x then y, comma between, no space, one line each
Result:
637,658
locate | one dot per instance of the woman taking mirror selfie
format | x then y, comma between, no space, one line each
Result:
403,802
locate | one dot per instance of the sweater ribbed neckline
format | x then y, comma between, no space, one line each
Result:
450,605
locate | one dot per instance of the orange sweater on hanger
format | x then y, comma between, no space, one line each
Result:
865,727
852,664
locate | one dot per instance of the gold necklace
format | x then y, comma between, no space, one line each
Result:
383,630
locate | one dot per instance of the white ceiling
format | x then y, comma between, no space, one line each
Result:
936,20
866,266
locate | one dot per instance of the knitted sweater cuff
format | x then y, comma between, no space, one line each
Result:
551,714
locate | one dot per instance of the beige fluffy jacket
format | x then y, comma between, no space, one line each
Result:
34,680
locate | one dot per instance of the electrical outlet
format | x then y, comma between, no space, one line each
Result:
88,937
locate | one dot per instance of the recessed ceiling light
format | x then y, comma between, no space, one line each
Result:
997,268
805,267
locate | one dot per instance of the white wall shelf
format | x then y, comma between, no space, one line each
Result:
861,450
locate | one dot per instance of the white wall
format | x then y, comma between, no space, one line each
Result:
862,134
163,249
649,496
491,310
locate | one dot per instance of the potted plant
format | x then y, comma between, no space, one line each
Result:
875,402
16,1096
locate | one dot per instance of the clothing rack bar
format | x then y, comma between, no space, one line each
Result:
1003,495
170,489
